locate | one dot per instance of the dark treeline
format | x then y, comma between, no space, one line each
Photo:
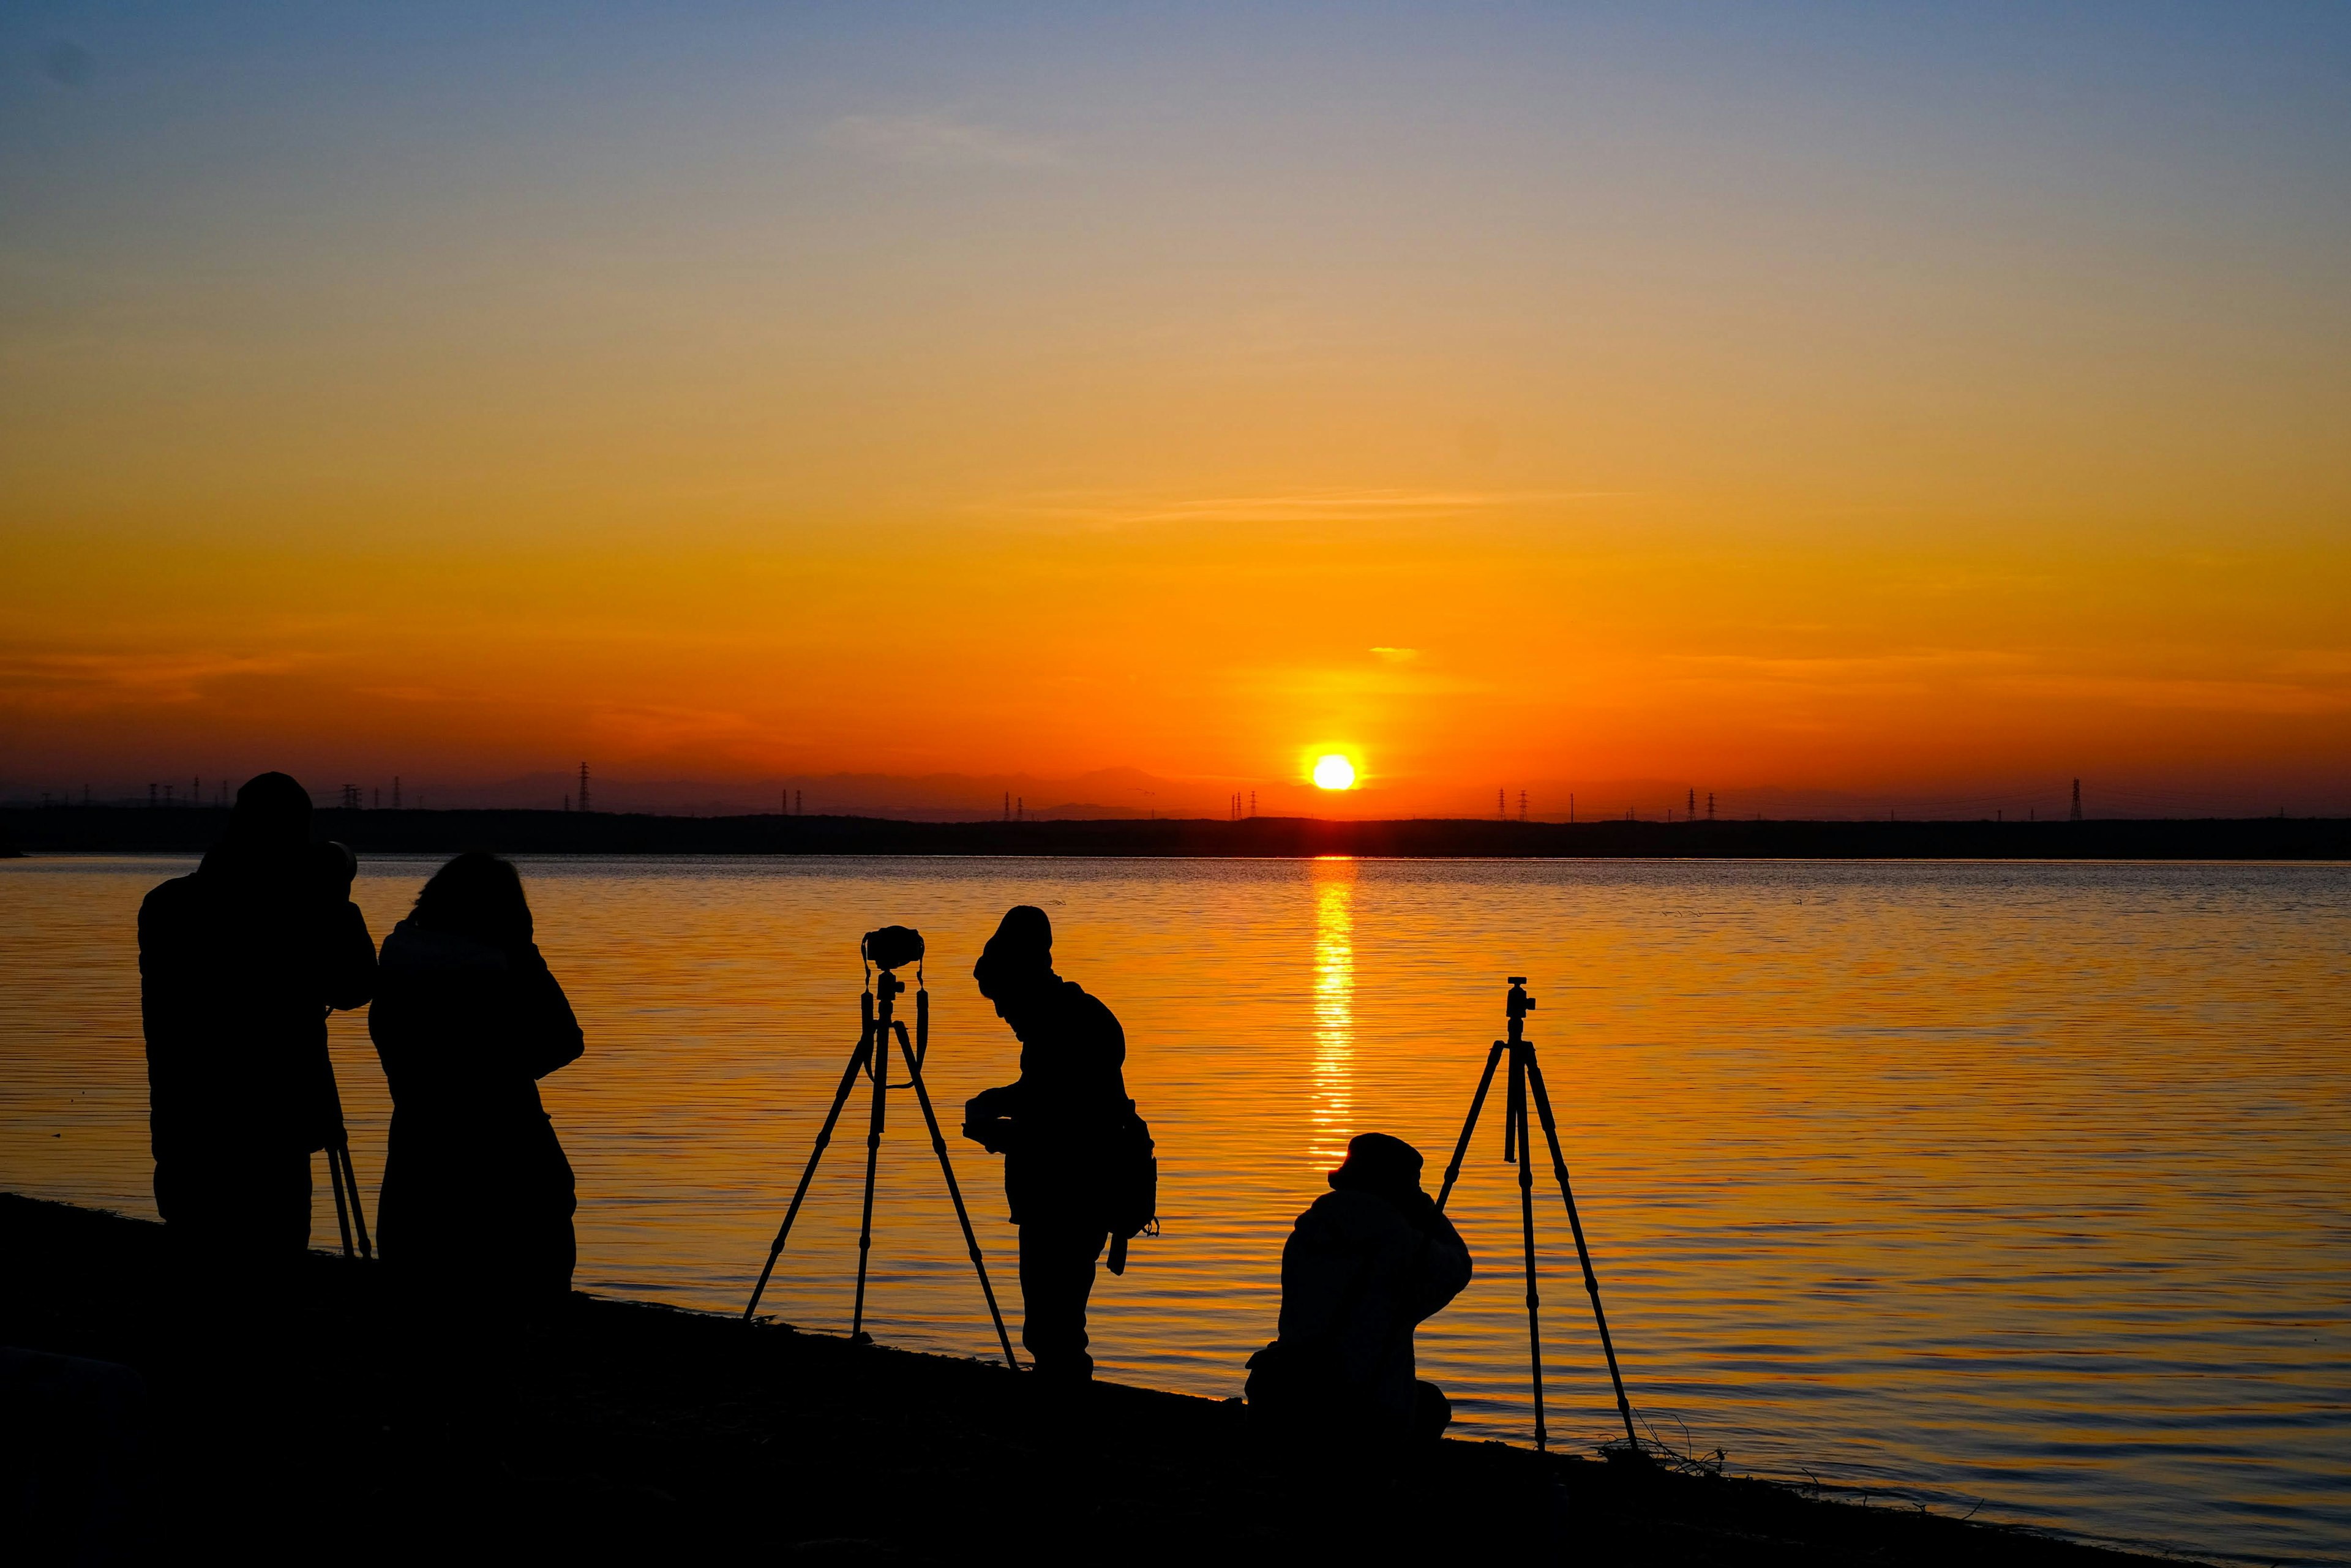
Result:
123,829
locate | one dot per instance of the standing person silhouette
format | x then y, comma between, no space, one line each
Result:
239,965
1057,1129
477,1196
1363,1268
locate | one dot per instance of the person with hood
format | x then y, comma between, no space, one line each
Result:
477,1196
239,964
1365,1266
1057,1128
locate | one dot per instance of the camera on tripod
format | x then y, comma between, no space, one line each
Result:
888,949
892,947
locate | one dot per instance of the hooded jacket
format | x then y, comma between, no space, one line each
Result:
1358,1273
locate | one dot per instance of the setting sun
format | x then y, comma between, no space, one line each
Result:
1334,772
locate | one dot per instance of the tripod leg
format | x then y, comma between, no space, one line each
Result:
1514,1110
1527,1228
1583,1253
342,1214
1476,1104
359,1205
963,1216
799,1194
873,1160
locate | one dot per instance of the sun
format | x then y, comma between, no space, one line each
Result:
1333,773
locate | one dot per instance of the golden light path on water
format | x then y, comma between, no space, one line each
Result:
1334,1011
2018,1185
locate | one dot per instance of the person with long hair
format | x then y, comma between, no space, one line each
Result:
478,1197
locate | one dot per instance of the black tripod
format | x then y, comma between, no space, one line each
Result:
1526,1083
348,1207
872,1058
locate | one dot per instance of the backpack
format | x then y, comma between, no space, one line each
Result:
1132,1185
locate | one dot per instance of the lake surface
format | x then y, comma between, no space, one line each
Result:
2015,1187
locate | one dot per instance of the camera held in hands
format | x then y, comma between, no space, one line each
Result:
892,947
334,866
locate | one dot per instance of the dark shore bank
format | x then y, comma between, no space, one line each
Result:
134,829
635,1432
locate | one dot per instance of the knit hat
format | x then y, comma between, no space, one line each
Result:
1019,955
1379,1163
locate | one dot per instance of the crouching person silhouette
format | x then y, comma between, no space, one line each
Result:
1060,1129
239,965
1363,1267
477,1196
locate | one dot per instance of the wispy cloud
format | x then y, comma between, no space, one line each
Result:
1396,655
84,680
1282,506
938,142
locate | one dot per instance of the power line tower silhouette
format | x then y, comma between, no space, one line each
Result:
1710,805
583,785
1692,808
2076,815
1523,805
1501,806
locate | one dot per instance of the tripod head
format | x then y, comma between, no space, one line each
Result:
1518,1005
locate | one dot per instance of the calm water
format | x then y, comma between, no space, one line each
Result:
2013,1186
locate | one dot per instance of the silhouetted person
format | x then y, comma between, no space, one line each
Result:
477,1196
1057,1129
238,965
1363,1267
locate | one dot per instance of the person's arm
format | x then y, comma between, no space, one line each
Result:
1443,1264
991,1117
550,1036
346,958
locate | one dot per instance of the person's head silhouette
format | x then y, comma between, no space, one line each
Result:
269,830
477,896
1379,1164
1017,962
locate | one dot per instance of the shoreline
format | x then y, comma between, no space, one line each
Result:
631,1429
186,830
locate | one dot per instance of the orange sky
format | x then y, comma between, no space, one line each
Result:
1832,436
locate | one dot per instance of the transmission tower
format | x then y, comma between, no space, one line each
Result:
2077,800
1523,805
583,785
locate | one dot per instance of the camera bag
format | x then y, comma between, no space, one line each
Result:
1134,1185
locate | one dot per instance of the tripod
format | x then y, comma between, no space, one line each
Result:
349,1210
1527,1081
872,1058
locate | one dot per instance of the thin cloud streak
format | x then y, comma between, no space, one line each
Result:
938,142
1293,507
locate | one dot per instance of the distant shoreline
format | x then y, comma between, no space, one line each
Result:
142,830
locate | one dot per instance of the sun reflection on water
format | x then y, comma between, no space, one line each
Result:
1332,1110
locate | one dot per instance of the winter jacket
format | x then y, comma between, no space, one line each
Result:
475,1185
238,965
1358,1273
1057,1126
